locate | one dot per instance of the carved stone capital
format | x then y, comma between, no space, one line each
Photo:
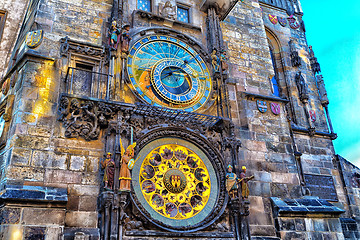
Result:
223,7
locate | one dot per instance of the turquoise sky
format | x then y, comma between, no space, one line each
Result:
333,29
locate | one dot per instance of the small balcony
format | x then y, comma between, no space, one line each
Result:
84,82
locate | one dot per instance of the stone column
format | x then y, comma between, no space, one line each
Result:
216,47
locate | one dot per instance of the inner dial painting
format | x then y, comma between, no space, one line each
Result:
167,72
175,182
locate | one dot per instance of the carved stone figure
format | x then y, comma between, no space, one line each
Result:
232,183
125,39
321,86
315,66
114,35
294,55
311,52
215,61
109,165
302,86
168,11
81,236
244,183
125,175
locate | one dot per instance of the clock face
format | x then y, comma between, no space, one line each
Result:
175,183
167,72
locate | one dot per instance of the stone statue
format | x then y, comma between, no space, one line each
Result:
81,236
315,65
168,11
321,86
224,59
231,183
301,85
292,46
125,39
114,35
294,55
244,183
215,61
125,175
311,52
109,165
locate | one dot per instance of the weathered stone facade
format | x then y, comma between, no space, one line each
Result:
68,98
14,13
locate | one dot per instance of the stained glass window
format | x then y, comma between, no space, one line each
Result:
183,14
144,5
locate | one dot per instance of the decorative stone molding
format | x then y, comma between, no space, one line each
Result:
154,17
68,45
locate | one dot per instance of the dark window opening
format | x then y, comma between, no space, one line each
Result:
82,79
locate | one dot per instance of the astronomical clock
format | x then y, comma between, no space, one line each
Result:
177,183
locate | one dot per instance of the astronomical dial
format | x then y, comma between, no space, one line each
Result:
167,72
175,184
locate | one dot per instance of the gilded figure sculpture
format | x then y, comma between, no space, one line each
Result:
231,182
125,175
244,183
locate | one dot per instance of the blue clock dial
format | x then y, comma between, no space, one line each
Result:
167,72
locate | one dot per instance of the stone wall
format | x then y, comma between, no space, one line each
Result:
38,158
15,12
37,152
267,146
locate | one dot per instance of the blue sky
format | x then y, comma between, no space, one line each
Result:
332,28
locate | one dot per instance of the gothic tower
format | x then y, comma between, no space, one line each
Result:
164,119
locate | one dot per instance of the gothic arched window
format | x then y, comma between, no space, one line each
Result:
277,80
274,79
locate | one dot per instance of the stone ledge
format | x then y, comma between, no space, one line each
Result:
265,238
298,129
305,207
21,57
152,16
253,96
88,233
209,235
34,193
